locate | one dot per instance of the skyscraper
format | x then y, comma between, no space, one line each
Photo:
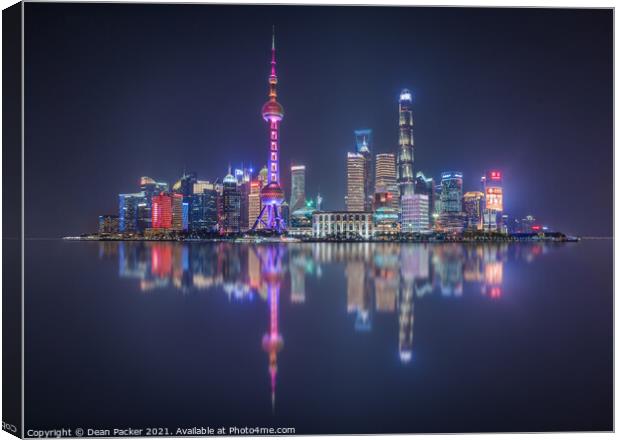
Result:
355,200
419,215
426,185
203,215
128,206
405,144
231,205
254,203
493,200
298,187
473,205
451,191
451,218
272,195
179,214
385,177
161,212
363,139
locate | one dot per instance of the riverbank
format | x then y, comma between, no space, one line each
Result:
412,238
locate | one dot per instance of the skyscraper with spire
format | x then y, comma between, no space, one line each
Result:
406,178
271,194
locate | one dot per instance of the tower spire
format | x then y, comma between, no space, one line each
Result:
272,77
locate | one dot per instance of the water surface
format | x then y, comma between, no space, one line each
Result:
322,337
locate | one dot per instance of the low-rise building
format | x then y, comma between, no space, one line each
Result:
343,224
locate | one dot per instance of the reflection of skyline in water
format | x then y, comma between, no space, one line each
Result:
381,278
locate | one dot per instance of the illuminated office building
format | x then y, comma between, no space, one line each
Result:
231,197
473,206
426,185
298,187
203,215
385,222
493,200
108,224
405,156
179,213
355,198
385,177
452,218
254,205
128,207
363,142
451,191
161,211
201,185
419,213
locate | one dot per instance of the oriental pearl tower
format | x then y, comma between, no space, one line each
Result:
271,195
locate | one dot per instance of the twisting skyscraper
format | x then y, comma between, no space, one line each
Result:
271,194
406,179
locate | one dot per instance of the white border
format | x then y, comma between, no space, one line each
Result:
481,3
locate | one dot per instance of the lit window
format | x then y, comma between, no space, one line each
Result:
274,166
274,156
273,176
274,146
274,135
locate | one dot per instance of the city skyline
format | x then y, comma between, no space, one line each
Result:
529,183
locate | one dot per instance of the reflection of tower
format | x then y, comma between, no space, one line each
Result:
357,295
271,258
271,194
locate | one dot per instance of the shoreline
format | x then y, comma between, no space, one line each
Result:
509,238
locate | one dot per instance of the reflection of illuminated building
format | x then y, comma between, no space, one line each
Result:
386,279
357,300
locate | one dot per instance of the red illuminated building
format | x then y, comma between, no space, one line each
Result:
161,213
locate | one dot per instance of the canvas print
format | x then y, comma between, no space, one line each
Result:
293,220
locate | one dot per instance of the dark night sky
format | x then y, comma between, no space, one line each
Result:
117,91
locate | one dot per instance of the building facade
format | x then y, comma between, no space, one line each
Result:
342,224
161,212
128,207
385,177
355,198
363,141
473,206
420,214
405,156
231,206
203,214
108,224
298,187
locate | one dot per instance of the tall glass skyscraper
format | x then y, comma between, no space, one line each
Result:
405,144
405,161
298,187
363,145
451,191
